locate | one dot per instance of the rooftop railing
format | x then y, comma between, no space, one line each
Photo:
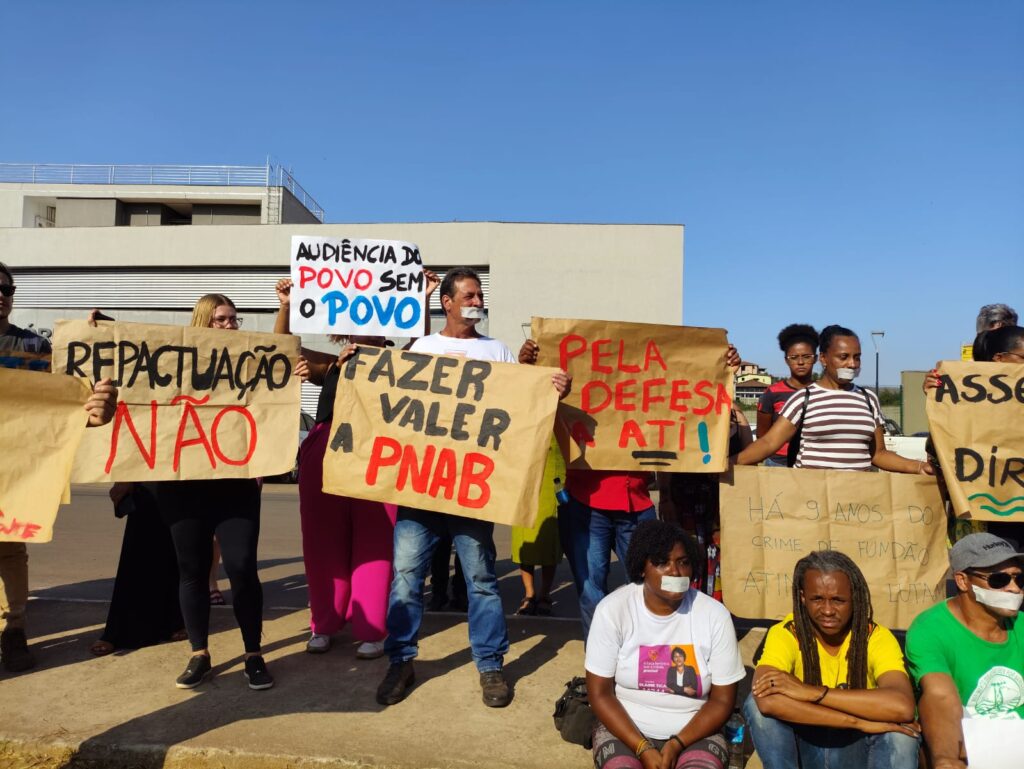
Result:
270,175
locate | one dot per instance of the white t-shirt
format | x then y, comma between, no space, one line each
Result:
478,348
630,644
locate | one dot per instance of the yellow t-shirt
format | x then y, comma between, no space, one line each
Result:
782,651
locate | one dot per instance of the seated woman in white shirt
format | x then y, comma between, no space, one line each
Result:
662,661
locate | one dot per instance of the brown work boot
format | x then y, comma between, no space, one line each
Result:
14,650
496,691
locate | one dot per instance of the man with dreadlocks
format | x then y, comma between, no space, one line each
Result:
830,688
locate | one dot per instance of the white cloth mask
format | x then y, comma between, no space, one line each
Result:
675,584
473,313
997,599
847,374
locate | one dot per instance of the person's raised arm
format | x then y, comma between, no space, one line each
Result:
561,380
765,446
102,403
282,323
884,459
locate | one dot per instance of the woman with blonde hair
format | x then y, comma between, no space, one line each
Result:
228,508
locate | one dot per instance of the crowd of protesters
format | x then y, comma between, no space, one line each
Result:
831,687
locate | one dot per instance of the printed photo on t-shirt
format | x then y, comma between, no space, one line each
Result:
671,669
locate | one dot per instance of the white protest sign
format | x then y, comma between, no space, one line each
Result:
354,286
987,739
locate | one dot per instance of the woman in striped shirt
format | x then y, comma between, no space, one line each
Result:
840,424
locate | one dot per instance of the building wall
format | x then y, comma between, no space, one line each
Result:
17,198
614,272
88,212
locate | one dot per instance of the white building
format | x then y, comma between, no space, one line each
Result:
135,241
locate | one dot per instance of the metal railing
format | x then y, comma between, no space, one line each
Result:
269,175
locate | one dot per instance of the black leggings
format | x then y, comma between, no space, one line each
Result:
196,510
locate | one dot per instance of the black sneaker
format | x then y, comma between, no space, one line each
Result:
497,692
396,683
256,673
198,668
14,650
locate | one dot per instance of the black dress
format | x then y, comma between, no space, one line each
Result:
144,608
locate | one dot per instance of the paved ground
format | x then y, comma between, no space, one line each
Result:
79,712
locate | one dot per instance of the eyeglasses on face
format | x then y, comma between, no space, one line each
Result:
799,358
7,290
227,321
997,580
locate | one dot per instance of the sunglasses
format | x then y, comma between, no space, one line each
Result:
7,290
997,580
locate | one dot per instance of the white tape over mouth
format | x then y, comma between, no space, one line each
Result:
474,313
675,584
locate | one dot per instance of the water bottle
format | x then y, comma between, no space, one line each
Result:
560,493
733,732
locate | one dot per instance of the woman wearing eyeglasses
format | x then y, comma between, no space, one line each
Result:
799,343
228,508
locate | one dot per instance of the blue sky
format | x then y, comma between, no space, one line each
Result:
855,163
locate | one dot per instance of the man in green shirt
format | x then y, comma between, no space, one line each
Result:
967,654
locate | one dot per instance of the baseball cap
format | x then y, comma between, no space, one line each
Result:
977,551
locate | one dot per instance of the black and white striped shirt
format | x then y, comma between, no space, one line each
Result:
838,427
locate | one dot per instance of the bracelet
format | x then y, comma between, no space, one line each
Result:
643,745
682,745
815,702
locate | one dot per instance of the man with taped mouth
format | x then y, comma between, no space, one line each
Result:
966,654
417,532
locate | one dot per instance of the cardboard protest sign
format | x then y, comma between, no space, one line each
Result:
42,423
193,403
459,436
644,396
893,526
975,416
353,286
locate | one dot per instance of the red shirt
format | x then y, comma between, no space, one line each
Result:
613,490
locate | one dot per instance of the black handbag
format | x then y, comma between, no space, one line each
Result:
574,719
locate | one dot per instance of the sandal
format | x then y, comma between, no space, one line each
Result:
544,607
101,648
527,608
216,597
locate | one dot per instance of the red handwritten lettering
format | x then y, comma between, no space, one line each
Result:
123,414
306,276
189,412
214,430
473,478
379,459
570,346
586,402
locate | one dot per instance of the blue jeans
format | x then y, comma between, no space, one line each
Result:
589,536
775,461
417,533
780,744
